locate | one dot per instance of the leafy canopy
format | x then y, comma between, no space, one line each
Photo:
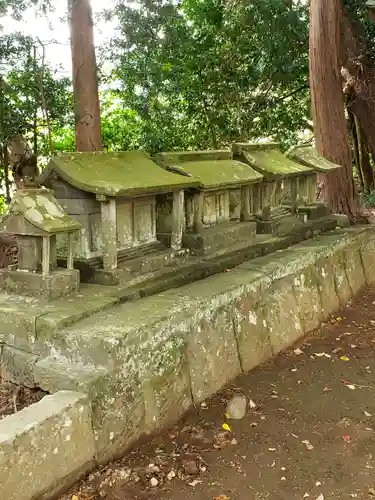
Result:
201,74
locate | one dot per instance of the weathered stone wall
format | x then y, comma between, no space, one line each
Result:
153,358
45,446
143,363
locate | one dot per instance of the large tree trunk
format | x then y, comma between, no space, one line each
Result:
359,76
328,110
85,81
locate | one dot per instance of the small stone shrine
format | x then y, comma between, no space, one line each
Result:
309,157
36,219
276,212
218,213
114,196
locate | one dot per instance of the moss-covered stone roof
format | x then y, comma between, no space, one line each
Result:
213,169
40,209
270,161
114,174
308,155
172,157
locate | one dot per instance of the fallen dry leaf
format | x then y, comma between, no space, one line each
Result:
308,445
194,483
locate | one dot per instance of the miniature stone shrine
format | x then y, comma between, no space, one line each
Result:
35,218
309,157
277,213
218,213
114,196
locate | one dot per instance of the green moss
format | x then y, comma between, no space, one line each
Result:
39,208
171,158
211,170
267,159
308,156
115,174
272,163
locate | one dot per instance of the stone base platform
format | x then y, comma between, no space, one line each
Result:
24,319
222,236
58,283
315,211
140,267
143,363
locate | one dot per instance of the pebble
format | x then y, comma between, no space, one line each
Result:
154,482
236,408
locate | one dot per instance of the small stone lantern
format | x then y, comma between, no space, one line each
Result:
35,218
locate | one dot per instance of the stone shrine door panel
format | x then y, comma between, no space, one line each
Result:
144,218
124,223
216,208
136,223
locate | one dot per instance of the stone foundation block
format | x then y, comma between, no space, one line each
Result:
45,447
253,340
308,299
212,352
167,395
58,283
343,289
17,366
53,375
367,249
325,275
354,269
282,315
115,398
118,415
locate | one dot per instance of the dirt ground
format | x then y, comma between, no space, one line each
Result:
308,433
14,398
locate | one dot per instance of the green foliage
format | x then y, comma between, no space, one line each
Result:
16,8
22,103
359,13
121,127
201,74
368,199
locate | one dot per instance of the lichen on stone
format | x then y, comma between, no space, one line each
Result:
40,209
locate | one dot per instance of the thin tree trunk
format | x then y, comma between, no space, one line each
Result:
356,149
6,173
367,172
328,111
35,118
40,82
359,75
85,81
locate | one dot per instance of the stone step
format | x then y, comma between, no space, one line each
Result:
218,262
